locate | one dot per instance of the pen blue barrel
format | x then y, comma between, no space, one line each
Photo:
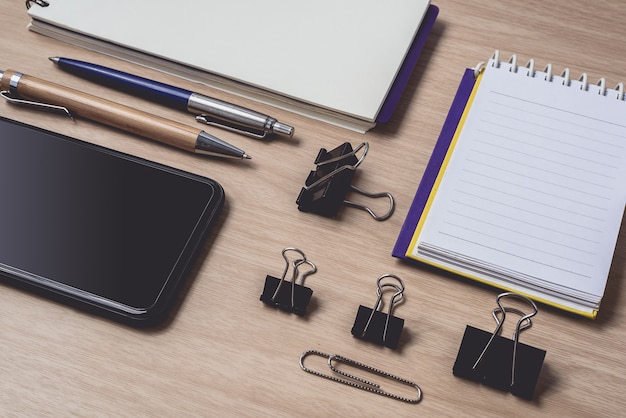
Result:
164,94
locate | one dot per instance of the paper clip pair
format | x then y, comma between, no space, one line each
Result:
497,361
285,295
326,187
345,378
373,325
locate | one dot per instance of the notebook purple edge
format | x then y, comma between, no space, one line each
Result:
393,97
434,164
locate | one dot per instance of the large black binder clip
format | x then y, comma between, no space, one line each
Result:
499,362
378,327
289,296
326,187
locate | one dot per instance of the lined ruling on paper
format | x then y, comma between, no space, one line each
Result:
534,190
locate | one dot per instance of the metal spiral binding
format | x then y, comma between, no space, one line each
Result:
565,75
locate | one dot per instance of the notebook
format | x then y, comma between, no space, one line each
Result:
344,62
524,189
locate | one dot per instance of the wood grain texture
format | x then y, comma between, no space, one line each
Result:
223,352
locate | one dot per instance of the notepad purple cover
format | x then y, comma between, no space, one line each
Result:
393,97
434,164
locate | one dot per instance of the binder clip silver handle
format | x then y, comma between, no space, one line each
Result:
522,324
392,204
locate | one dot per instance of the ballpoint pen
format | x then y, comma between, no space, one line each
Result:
209,110
23,89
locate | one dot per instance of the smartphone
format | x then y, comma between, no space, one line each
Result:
110,232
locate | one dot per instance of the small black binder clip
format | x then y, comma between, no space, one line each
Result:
288,295
326,187
499,362
375,326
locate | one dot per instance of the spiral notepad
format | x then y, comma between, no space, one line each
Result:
529,195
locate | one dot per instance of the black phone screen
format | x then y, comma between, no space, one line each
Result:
98,226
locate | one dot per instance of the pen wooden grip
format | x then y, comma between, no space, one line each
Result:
104,111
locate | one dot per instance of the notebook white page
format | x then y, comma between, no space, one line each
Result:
536,184
340,55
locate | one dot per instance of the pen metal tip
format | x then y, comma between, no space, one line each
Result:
282,129
54,59
246,157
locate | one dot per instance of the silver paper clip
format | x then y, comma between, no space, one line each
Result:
345,378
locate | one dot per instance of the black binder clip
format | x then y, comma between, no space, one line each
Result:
326,187
497,361
375,326
291,297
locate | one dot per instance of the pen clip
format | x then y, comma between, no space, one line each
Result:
203,118
42,106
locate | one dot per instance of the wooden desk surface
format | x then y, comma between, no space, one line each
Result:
224,353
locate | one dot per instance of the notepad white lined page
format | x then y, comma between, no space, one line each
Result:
536,185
